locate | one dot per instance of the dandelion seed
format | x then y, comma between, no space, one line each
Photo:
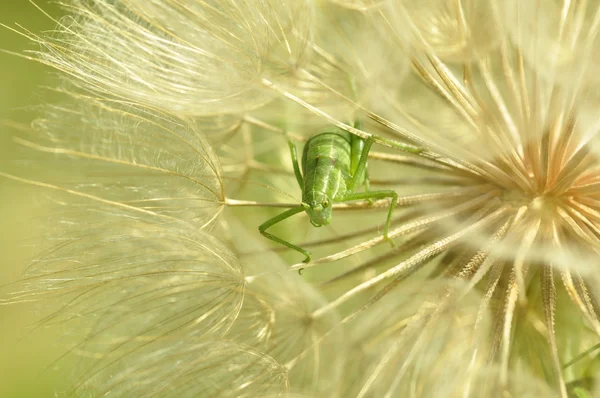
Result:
405,344
122,287
126,159
181,368
196,58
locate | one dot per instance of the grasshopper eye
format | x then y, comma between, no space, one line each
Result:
326,203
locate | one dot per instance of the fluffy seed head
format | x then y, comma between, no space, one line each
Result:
498,220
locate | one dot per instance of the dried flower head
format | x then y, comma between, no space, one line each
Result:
491,286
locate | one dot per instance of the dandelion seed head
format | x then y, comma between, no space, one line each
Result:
496,227
514,143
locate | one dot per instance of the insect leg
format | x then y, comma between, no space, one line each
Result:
361,165
356,154
297,173
374,195
357,145
269,223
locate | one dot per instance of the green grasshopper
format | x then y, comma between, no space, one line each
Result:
334,164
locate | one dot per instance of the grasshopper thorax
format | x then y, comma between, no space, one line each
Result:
318,209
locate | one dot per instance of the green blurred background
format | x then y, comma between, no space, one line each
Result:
24,353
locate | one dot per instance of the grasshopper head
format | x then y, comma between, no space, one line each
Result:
319,211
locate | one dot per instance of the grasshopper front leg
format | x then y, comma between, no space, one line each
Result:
277,219
295,164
